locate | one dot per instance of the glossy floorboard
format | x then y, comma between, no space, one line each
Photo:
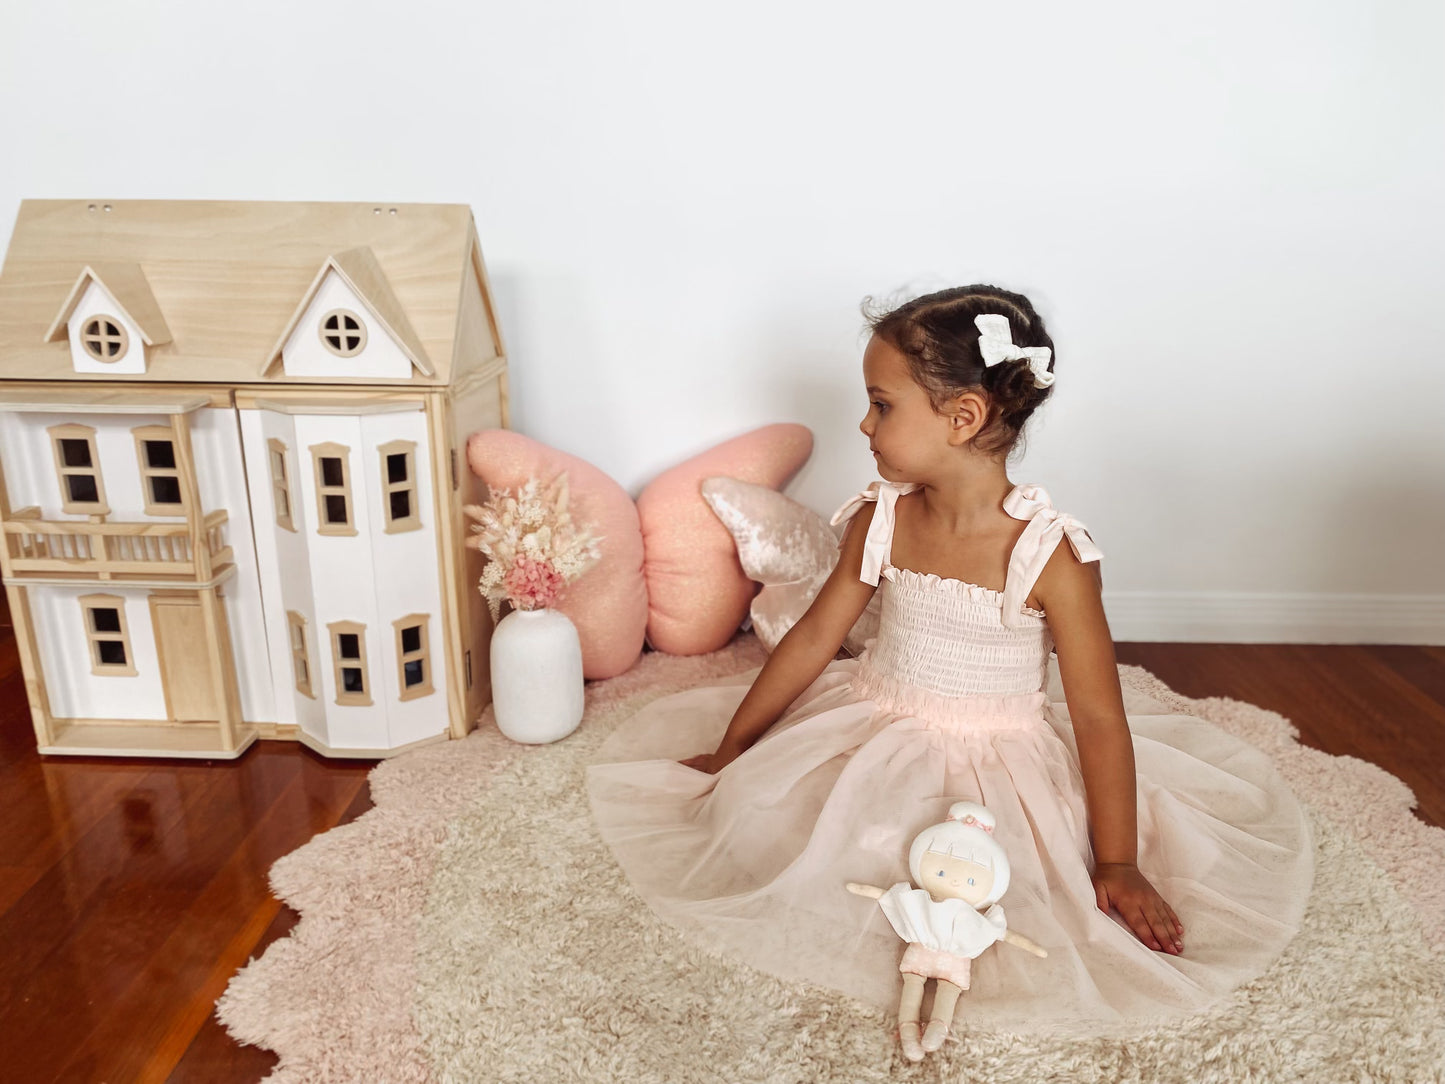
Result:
131,891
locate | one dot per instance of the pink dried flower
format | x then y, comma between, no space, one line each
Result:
532,584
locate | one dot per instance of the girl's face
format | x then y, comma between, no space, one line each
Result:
907,437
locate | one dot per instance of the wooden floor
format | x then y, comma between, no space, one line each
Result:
131,891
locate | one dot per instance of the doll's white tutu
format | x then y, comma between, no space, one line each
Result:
950,925
954,700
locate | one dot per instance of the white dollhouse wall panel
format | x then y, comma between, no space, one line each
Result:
29,465
304,353
406,576
65,658
221,478
284,561
97,302
32,479
373,577
343,570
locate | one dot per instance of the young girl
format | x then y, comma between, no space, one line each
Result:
1124,832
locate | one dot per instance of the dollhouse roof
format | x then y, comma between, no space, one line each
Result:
217,286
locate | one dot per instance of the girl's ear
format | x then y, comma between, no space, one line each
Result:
966,414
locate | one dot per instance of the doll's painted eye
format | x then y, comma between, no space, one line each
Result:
940,873
970,880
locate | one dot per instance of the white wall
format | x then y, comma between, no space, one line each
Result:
1228,213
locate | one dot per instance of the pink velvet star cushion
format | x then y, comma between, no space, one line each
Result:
790,550
697,590
608,602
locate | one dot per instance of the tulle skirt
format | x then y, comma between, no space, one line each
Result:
751,863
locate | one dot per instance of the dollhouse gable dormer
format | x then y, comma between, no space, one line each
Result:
350,324
110,318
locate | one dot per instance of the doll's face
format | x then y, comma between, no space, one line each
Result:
947,878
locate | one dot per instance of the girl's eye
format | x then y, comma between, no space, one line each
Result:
881,406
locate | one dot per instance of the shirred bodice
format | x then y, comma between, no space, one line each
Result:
945,636
941,640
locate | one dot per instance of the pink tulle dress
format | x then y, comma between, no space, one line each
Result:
951,701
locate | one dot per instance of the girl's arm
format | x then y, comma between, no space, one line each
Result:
803,653
1070,592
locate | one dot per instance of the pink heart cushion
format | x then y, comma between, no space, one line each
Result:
608,602
697,591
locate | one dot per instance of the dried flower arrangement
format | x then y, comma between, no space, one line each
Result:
535,548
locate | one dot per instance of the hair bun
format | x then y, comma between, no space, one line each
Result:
966,811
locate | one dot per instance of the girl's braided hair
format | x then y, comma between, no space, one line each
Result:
937,336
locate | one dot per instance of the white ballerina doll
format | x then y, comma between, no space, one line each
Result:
960,868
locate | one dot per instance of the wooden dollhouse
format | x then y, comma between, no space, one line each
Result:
232,468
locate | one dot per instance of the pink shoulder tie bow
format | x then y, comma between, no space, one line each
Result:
1032,551
880,531
1034,547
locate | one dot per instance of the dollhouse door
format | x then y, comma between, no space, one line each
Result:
185,667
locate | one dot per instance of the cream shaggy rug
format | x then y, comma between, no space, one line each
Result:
473,927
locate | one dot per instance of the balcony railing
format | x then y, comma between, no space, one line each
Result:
104,550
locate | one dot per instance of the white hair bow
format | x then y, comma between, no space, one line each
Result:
995,343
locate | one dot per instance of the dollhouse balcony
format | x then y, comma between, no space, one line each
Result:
51,549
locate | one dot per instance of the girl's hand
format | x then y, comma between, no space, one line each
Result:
1140,905
712,763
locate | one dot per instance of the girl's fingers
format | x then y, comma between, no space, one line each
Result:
1164,932
1178,926
1139,922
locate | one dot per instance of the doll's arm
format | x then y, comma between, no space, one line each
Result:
873,892
1024,943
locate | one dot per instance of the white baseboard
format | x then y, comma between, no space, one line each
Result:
1274,617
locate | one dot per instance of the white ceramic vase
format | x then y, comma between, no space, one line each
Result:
536,676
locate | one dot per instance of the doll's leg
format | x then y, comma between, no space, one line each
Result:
909,1004
945,1000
